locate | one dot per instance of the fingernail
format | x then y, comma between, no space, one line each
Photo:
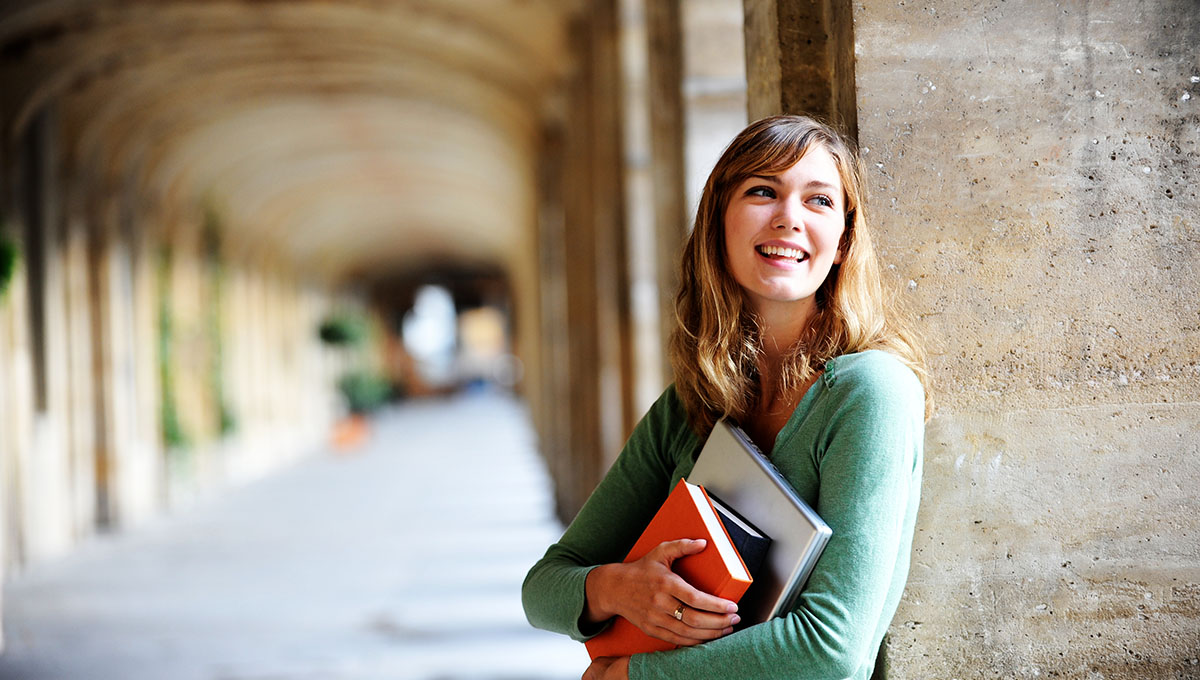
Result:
731,608
736,619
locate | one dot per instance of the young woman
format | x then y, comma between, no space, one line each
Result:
783,326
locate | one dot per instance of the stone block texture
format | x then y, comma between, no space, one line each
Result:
1034,168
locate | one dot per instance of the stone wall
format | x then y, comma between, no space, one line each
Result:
1033,170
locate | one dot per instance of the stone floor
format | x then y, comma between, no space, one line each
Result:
401,560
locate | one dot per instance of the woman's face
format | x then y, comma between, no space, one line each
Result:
782,234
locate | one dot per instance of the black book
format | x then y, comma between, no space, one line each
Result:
751,543
731,467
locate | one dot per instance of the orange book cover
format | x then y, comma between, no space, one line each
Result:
717,570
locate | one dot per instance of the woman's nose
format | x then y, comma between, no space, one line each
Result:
790,216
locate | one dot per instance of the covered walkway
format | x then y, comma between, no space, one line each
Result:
403,559
228,225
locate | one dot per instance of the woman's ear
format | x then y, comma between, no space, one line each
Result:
844,241
843,245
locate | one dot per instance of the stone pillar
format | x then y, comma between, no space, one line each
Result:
611,285
1034,170
697,83
106,347
714,89
800,59
45,466
129,467
664,28
6,359
142,471
16,384
17,415
646,269
586,251
579,247
80,378
555,423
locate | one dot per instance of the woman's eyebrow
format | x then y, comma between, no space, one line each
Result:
824,186
812,184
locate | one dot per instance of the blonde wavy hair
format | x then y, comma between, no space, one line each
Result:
716,346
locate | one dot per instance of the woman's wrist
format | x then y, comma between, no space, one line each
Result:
595,587
621,666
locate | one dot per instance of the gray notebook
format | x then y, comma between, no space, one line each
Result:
732,468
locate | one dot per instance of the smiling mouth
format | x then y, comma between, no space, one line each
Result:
780,253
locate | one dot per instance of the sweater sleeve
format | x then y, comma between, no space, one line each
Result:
867,456
611,520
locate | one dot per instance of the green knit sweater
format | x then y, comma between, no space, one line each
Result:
852,449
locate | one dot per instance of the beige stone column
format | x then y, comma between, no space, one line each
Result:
1034,169
141,467
800,59
129,466
554,422
585,268
106,347
714,87
81,407
17,406
611,285
45,466
696,85
647,342
583,405
664,30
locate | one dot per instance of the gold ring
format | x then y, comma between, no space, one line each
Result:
679,612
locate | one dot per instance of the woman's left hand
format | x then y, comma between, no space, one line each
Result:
608,668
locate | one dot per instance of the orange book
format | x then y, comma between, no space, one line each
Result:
717,570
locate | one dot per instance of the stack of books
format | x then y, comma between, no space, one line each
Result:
762,538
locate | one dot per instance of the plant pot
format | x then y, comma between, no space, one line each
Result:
351,432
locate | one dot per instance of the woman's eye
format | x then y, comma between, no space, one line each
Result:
823,201
765,192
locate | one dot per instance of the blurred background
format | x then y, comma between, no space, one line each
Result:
319,318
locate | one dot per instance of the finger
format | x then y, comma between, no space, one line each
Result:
668,626
669,551
697,625
679,616
698,599
699,619
667,635
687,637
596,670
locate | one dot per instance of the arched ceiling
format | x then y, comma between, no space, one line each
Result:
348,137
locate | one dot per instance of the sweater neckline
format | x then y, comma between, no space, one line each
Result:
806,403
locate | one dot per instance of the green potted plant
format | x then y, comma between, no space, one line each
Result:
364,393
364,390
8,259
342,330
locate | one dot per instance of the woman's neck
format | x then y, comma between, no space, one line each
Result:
775,403
780,328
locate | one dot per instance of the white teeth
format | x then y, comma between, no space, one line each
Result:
778,251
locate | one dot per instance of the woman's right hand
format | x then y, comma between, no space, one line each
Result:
648,593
